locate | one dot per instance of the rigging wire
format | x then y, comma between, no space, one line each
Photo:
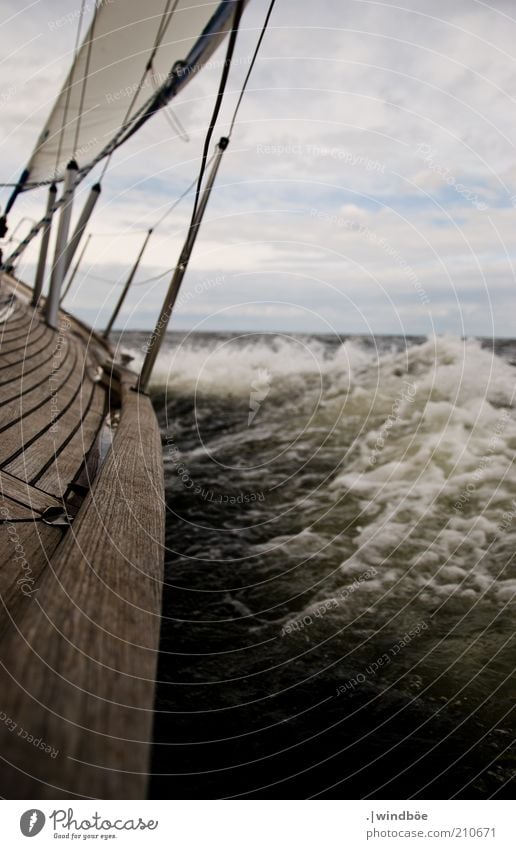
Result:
193,183
167,11
170,116
180,198
218,102
122,134
162,218
69,89
116,141
206,164
122,282
159,222
85,80
105,152
251,66
164,25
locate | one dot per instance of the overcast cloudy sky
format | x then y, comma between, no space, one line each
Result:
370,185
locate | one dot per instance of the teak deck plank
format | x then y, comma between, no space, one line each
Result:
21,434
12,511
79,628
38,452
23,397
23,371
13,316
11,313
63,470
39,353
18,439
83,661
13,340
32,345
11,331
17,490
16,389
25,550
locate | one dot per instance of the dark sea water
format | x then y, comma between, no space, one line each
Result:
340,567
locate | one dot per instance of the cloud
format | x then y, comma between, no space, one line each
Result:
373,159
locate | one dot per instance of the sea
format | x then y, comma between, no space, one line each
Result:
340,566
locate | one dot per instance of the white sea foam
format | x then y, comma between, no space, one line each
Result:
436,489
228,367
425,471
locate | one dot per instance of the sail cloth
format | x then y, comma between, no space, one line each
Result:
134,58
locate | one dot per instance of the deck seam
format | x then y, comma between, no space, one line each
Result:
45,400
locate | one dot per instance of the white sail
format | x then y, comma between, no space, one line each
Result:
112,87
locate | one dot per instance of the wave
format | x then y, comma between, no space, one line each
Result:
406,448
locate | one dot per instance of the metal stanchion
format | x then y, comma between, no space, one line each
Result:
43,251
85,215
56,280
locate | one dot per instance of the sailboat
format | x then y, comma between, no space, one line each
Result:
82,493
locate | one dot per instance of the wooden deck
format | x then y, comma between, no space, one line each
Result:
81,599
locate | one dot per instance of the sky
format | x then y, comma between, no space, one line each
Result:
369,187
